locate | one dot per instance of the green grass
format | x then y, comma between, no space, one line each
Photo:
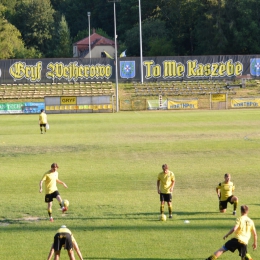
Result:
110,163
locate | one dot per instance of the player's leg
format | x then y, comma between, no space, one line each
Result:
234,201
162,203
247,257
50,210
162,207
222,206
169,202
71,254
59,199
48,200
57,255
170,209
41,128
217,254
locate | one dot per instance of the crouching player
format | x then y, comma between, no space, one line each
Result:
64,238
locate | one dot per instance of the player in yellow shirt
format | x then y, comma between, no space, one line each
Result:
243,228
165,184
51,191
64,238
225,194
43,120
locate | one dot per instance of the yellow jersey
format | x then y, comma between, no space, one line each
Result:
226,190
245,228
50,179
165,181
43,118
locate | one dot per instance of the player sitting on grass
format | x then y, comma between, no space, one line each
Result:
51,191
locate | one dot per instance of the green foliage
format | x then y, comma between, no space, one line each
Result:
151,29
10,38
25,53
110,163
63,42
196,27
38,27
160,47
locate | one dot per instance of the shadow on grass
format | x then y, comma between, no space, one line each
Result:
91,258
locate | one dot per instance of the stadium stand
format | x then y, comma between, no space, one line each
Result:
182,88
39,91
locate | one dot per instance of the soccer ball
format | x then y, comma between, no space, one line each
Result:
66,203
163,217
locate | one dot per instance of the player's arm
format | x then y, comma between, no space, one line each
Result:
76,247
231,231
218,192
50,253
61,182
172,185
158,186
40,185
255,239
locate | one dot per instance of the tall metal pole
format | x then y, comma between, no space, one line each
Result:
116,72
117,101
89,46
141,44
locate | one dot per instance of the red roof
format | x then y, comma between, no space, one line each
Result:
95,40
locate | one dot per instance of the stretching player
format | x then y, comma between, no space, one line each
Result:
65,239
225,194
243,228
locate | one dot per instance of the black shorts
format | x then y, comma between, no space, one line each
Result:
50,197
62,240
223,204
166,197
42,125
233,245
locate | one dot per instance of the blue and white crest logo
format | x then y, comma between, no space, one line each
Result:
255,67
127,69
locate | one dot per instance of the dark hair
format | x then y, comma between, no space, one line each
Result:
165,166
226,174
54,165
42,110
244,209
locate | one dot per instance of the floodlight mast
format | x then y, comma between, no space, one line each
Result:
89,46
141,44
116,65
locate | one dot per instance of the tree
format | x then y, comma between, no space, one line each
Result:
63,48
37,29
151,30
10,37
243,26
160,47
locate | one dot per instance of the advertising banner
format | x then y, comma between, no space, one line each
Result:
154,69
218,97
21,108
183,104
245,102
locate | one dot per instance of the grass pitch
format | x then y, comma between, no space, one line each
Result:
110,163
